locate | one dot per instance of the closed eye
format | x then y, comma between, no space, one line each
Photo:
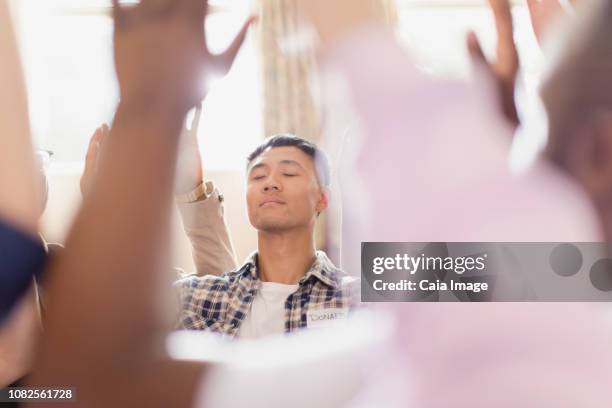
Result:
289,175
258,177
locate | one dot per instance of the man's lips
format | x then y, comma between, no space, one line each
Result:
271,202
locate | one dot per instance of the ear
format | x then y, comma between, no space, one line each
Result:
591,158
323,200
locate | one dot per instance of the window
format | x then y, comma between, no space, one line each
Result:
434,31
67,51
68,61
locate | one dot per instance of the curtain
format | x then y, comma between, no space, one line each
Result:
288,104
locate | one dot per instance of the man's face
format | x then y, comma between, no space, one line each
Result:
282,190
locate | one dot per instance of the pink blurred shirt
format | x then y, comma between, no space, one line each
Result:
427,160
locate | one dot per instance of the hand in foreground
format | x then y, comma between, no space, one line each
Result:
161,53
504,69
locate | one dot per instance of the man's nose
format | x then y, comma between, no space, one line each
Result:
272,185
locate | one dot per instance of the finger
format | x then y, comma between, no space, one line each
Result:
506,48
227,58
502,13
474,48
118,15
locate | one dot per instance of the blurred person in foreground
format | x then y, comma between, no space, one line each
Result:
22,328
117,241
204,224
427,161
577,94
21,252
441,144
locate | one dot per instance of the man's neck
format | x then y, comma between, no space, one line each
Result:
286,256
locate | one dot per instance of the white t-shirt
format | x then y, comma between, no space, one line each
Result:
267,314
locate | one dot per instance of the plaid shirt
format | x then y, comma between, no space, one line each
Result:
221,303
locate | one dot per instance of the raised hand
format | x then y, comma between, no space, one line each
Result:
504,69
161,52
189,171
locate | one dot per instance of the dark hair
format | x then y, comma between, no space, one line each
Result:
318,156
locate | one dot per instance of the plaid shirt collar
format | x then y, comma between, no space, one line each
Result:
221,303
322,269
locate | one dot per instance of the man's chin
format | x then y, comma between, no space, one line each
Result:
273,226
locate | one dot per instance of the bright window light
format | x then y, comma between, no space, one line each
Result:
68,61
67,51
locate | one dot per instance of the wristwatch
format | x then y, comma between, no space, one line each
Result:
201,192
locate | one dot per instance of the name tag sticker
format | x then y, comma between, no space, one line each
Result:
325,318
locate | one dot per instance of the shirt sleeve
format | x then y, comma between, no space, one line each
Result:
21,258
205,226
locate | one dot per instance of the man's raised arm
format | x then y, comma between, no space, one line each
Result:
201,207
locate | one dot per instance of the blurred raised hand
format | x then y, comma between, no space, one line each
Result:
504,69
119,239
149,64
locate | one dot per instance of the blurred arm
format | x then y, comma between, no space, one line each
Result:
114,250
102,326
18,336
18,199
